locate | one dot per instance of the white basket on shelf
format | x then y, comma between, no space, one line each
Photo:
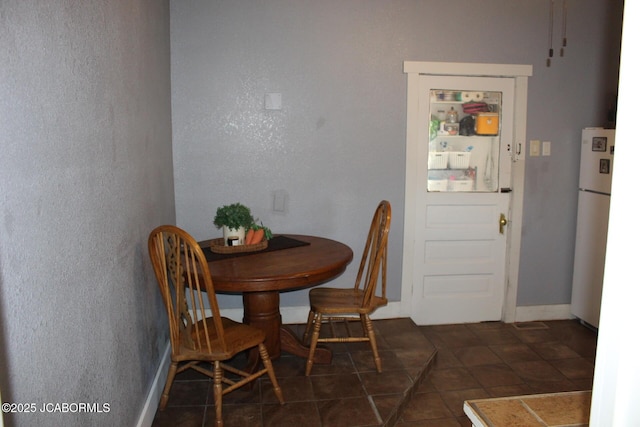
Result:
438,160
459,159
461,185
437,185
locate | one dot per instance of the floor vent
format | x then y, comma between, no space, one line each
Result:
530,325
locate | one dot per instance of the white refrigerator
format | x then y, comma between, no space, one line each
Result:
594,192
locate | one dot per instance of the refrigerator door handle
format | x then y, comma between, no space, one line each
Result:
595,192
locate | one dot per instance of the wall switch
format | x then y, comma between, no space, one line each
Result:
546,148
534,148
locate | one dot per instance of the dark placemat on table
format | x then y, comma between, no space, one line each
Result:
275,244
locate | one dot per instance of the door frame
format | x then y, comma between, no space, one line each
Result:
520,74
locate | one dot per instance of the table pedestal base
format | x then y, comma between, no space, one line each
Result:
262,310
292,345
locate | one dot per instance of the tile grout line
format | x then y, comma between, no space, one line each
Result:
372,404
374,408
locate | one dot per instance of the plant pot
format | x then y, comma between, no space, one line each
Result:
229,233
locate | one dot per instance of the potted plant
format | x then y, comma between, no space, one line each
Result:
235,220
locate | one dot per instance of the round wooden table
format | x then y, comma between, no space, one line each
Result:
261,276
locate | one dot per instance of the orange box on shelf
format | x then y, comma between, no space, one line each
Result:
487,123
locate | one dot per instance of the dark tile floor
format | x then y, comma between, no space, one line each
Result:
428,372
482,360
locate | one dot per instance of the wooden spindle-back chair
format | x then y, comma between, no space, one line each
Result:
198,334
357,303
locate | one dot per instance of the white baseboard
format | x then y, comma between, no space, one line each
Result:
394,310
153,398
543,312
299,314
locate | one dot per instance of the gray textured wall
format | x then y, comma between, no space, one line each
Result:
85,174
338,145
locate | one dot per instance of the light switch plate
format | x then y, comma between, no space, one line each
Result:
273,101
280,201
546,148
534,147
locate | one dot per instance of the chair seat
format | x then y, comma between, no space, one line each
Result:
238,337
340,300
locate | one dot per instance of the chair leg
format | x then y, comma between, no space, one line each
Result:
167,386
372,341
272,375
314,342
217,392
307,330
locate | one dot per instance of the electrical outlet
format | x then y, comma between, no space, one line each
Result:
534,148
280,201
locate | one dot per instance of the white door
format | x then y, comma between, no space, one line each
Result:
462,204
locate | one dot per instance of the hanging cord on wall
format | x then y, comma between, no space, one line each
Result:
550,33
564,27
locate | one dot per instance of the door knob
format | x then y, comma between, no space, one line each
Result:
503,221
